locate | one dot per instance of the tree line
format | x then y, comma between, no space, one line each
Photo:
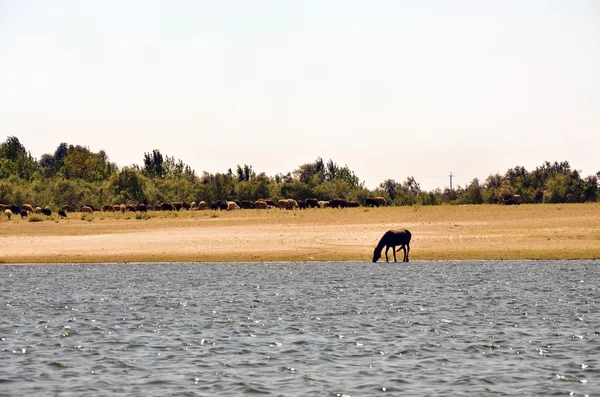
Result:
76,176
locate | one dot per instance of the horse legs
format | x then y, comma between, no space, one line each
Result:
406,249
387,248
403,249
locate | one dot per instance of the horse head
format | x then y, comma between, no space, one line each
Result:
376,255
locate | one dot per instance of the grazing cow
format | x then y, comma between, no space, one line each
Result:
232,205
24,213
270,202
122,208
46,211
202,205
131,207
372,202
38,210
261,205
353,204
247,204
142,208
8,213
323,204
87,209
116,208
288,204
166,207
108,208
66,208
312,203
338,203
3,207
382,201
218,205
27,207
302,204
392,239
179,205
15,209
62,214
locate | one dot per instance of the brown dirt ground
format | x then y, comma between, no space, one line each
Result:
563,231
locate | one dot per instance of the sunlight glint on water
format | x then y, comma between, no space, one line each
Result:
437,328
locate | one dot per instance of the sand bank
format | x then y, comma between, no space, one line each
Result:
442,232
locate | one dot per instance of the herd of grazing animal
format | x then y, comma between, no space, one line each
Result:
288,204
391,239
283,204
26,209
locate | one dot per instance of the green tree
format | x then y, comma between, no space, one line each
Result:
67,192
129,186
51,164
472,193
244,174
296,190
220,186
6,191
335,172
562,188
154,166
261,186
77,162
590,188
388,189
157,166
85,165
311,173
16,160
332,190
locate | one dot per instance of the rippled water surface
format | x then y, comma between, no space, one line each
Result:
292,329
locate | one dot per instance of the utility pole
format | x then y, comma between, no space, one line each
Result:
450,180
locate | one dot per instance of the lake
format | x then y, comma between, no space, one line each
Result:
301,329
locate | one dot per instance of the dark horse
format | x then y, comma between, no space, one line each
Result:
391,239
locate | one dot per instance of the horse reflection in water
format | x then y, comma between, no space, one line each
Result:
392,239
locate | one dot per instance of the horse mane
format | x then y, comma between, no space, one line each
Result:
381,244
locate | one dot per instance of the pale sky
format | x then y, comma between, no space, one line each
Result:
390,88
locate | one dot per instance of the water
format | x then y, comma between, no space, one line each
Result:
299,329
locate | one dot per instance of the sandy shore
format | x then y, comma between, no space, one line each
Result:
443,232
